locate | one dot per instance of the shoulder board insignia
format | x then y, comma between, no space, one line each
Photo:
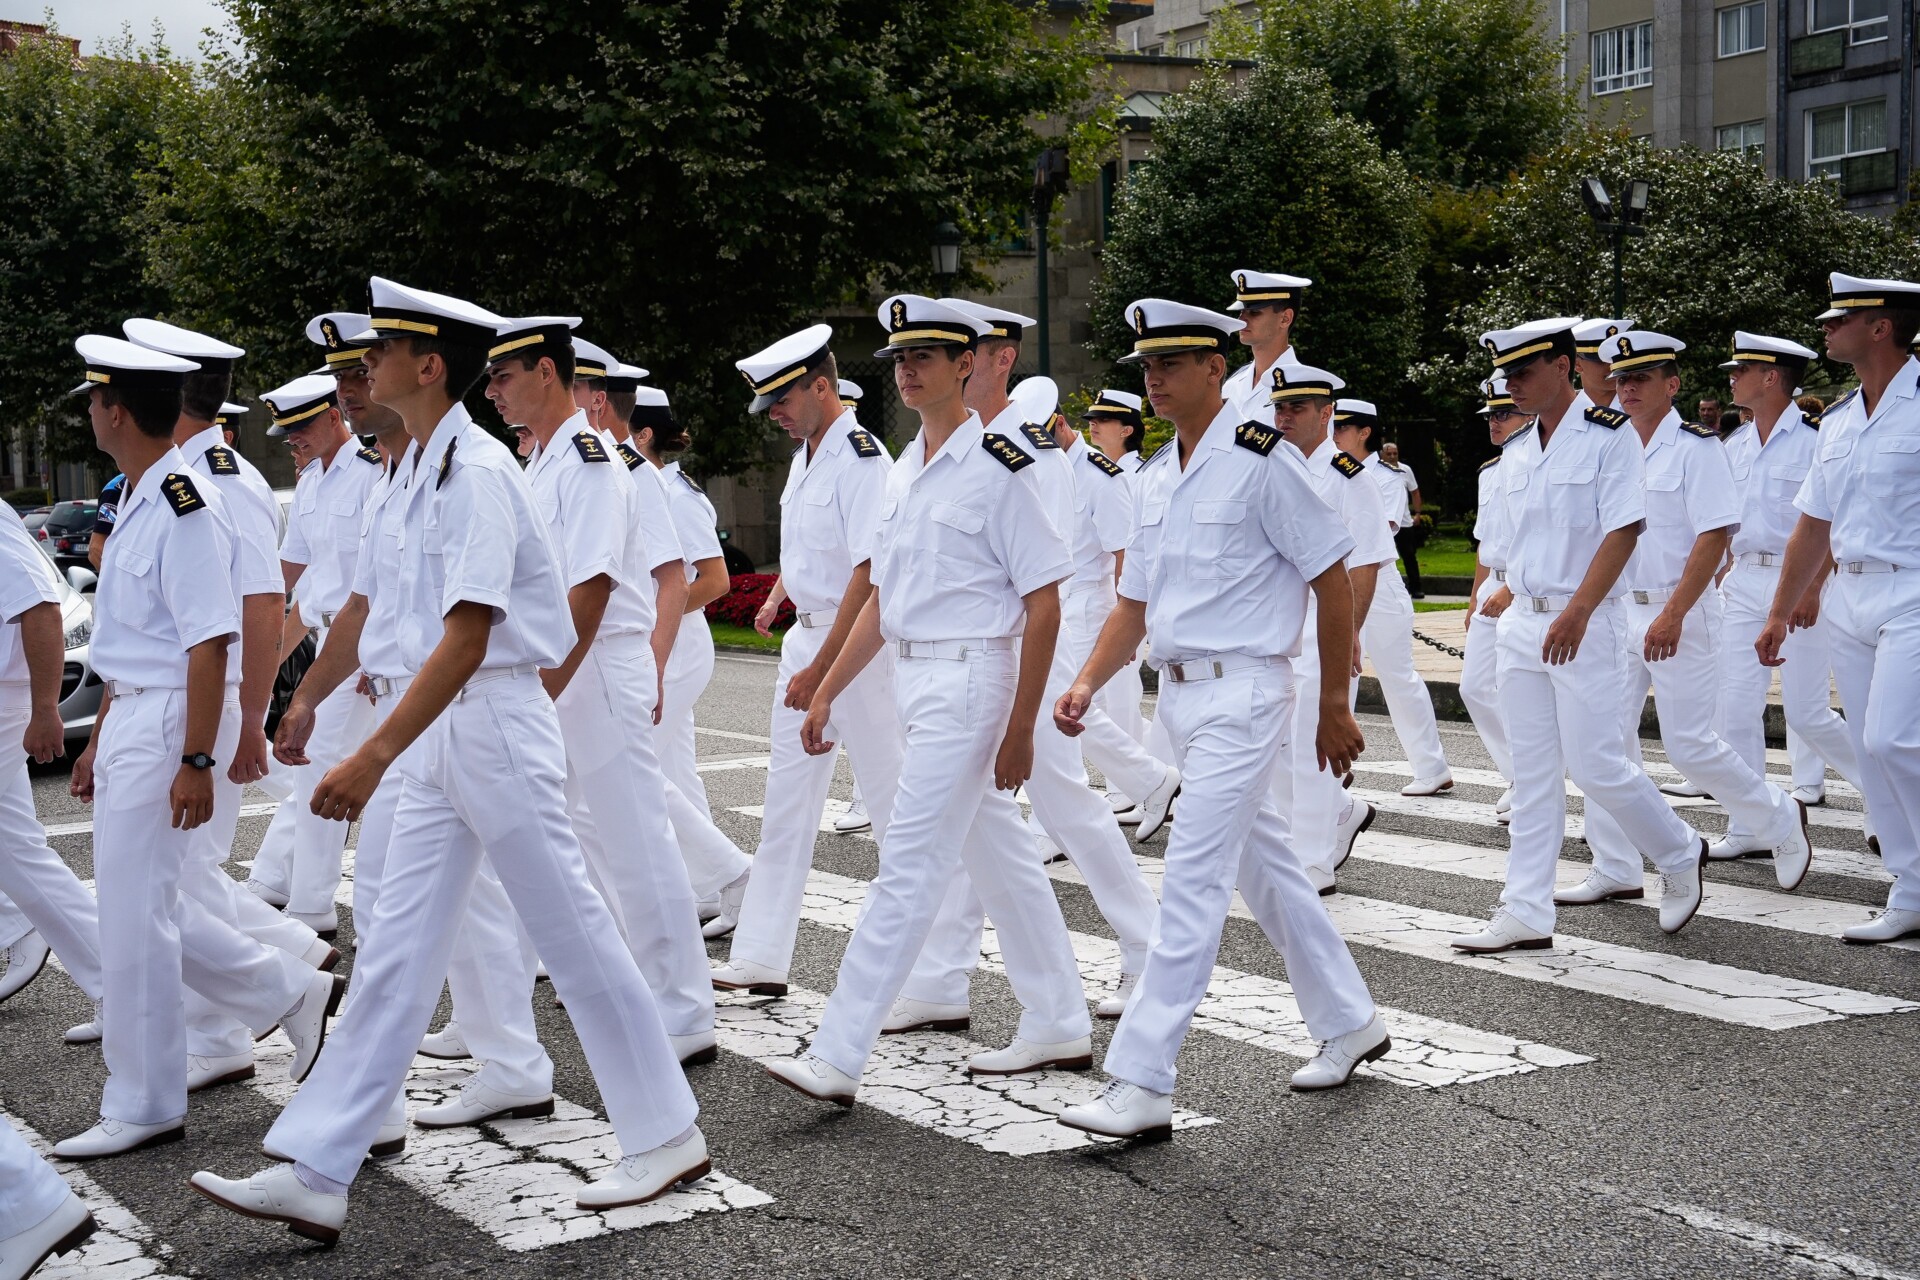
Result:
369,454
1700,429
221,462
690,482
1039,437
1601,416
1348,465
1005,452
1104,463
1494,461
589,447
1811,419
630,455
181,494
864,445
1251,435
1516,435
446,462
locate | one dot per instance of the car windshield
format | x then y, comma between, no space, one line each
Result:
67,516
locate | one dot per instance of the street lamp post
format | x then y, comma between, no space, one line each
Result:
1618,224
1049,181
946,254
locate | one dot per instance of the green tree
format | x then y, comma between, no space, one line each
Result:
1269,175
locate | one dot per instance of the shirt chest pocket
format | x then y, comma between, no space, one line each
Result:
819,523
1783,483
130,591
956,543
1216,546
345,519
431,542
1893,469
1573,496
1666,500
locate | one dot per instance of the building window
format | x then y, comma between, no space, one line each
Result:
1623,58
1743,28
1190,49
1749,139
1864,21
1835,133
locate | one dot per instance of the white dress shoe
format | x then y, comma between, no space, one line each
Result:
1157,809
324,923
306,1023
277,1195
1347,830
1048,851
925,1015
322,955
1684,789
1890,925
477,1103
1129,816
1503,933
1333,1065
1730,848
115,1137
1024,1055
648,1176
205,1073
1322,880
755,979
25,959
446,1044
728,919
87,1032
1681,891
1120,801
696,1049
854,819
1597,887
1116,1003
1123,1110
1794,854
266,893
1428,786
708,907
1504,805
815,1078
60,1232
1810,796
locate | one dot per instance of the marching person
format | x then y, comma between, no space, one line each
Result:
1479,682
1116,430
1268,302
1232,538
966,574
1860,510
829,512
1673,624
482,610
1588,366
1575,514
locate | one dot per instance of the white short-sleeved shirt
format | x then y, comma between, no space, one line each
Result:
1251,390
251,509
828,513
583,500
323,527
963,538
1488,535
376,569
1396,484
1768,477
1494,527
26,582
1344,483
1106,514
1587,483
1866,474
159,593
694,518
1690,491
651,542
471,534
1226,547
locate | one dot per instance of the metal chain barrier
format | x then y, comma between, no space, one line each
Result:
1424,638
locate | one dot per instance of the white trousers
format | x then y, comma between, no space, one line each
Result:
1228,735
689,668
1564,721
954,714
1806,686
490,976
1308,798
44,892
1112,747
1081,824
867,725
376,833
1686,693
489,776
1480,680
152,933
1387,638
29,1188
304,862
1876,663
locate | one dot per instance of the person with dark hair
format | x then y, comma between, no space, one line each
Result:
1268,302
1117,429
1479,674
1860,510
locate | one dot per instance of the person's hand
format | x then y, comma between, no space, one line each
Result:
1014,763
763,619
343,793
364,687
1564,636
1358,657
192,795
46,735
1806,613
1496,604
250,757
1769,642
1663,637
1338,742
80,781
813,730
802,688
659,695
551,682
296,728
1072,707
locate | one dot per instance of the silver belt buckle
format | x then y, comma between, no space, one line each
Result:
1643,597
1178,670
327,616
1538,604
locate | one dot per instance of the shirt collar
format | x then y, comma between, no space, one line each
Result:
1667,432
201,441
1905,386
965,437
573,425
149,487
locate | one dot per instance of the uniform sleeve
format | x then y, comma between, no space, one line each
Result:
1713,500
1113,509
655,518
479,535
26,578
1136,575
693,521
202,604
1024,538
863,491
109,507
1813,499
1620,486
1299,523
1408,480
296,548
590,539
1366,519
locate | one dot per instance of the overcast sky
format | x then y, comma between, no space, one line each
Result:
97,20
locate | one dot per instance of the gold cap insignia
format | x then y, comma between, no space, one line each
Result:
899,314
1139,319
331,332
1625,348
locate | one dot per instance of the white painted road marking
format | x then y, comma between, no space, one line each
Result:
1809,1257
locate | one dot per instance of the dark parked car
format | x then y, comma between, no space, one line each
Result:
35,520
68,530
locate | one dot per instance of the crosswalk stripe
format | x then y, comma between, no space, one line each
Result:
124,1248
1836,788
86,828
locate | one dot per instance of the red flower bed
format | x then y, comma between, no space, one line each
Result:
740,604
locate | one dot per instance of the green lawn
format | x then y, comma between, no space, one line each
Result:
1447,557
725,633
1434,606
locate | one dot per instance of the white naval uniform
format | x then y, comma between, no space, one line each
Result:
1866,481
1690,491
323,536
1564,721
1064,805
1224,554
1769,477
30,1190
1479,669
488,775
828,515
1387,639
1121,696
1396,490
1250,390
166,584
1308,796
963,537
690,665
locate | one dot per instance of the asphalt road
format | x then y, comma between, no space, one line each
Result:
1730,1102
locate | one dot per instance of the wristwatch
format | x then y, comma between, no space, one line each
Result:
199,760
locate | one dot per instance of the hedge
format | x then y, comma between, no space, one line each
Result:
743,601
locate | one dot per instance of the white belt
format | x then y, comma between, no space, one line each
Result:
1868,566
126,689
1763,559
487,675
818,618
1194,669
953,650
1542,604
387,687
1651,597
